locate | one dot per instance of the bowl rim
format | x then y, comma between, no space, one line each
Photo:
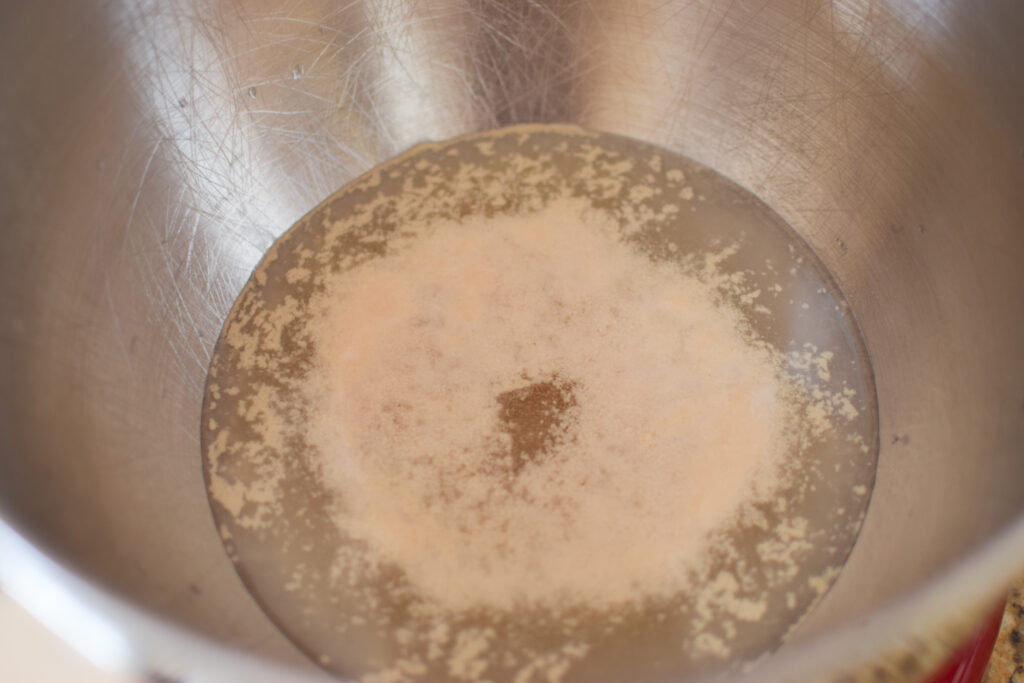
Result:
907,638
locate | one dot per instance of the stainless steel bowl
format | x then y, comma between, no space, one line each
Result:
151,151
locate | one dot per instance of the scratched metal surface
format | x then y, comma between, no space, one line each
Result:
151,151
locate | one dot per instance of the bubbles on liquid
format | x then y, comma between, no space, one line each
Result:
354,615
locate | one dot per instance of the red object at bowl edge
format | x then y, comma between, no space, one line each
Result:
967,665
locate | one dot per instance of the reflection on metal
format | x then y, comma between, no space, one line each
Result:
150,151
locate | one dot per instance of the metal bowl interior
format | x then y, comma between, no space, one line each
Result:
151,152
